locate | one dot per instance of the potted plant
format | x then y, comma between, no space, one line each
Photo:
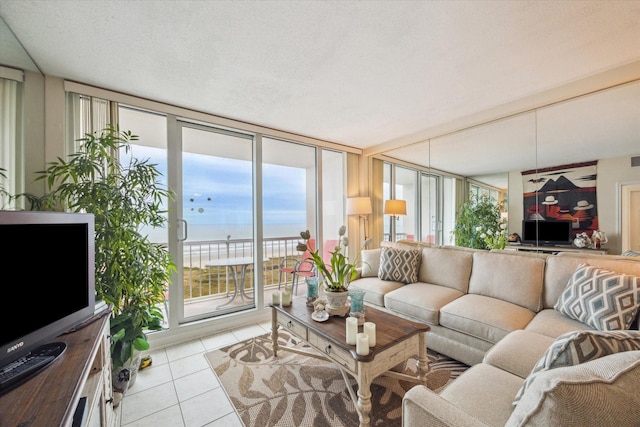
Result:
338,275
479,224
132,273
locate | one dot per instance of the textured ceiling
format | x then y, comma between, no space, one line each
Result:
373,75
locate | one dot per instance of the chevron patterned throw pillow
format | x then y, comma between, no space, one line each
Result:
603,299
574,348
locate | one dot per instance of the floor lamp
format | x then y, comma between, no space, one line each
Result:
394,208
360,206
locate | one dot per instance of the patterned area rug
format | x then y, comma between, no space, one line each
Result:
297,390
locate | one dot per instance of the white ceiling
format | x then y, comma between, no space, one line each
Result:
384,76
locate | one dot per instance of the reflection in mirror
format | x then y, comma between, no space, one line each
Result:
21,102
12,53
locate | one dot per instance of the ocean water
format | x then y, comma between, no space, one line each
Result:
209,232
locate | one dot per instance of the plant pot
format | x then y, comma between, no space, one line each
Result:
124,377
336,300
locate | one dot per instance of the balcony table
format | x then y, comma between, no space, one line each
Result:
234,263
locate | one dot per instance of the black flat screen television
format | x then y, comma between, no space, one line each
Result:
48,287
546,233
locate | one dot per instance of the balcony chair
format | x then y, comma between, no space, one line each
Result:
297,267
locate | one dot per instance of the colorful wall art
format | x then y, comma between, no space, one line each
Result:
565,192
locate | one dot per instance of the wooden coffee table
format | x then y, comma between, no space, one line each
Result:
397,339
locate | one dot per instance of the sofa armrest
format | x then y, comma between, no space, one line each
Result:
423,407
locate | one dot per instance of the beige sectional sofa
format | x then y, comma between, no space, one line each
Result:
496,312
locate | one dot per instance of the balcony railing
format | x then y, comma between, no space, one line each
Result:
201,281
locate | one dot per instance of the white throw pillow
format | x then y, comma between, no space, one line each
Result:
370,262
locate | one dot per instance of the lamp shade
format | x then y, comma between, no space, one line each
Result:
395,207
359,206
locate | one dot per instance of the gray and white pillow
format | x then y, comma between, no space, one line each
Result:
399,265
605,300
574,348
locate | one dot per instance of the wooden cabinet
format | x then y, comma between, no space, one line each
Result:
80,377
555,249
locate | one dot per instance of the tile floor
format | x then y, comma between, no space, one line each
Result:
179,389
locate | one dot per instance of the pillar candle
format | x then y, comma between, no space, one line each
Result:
286,297
362,344
275,298
370,330
352,330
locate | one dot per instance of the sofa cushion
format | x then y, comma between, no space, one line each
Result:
370,259
597,393
552,323
420,300
518,352
484,392
578,347
444,267
603,299
400,265
515,279
375,288
486,318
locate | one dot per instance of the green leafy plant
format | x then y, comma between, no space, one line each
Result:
5,196
479,224
132,273
340,273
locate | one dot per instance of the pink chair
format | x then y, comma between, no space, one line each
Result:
297,267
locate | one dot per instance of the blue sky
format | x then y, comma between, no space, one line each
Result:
218,191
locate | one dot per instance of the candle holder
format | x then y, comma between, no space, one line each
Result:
312,290
357,305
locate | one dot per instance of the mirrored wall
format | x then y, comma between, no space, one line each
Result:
602,127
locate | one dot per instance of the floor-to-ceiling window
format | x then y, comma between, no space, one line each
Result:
429,208
401,183
333,209
11,161
239,194
430,204
289,206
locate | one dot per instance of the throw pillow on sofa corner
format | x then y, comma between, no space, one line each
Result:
603,299
370,262
574,348
399,265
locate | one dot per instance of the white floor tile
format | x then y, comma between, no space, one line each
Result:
219,340
182,374
188,365
206,408
185,349
248,332
139,405
151,377
170,417
158,357
197,383
231,420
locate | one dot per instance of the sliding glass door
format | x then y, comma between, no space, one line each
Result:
216,234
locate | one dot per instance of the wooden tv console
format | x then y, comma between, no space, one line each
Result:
555,249
81,373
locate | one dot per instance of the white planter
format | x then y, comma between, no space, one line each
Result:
336,300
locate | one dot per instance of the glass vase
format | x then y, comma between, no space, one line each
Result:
357,304
312,290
